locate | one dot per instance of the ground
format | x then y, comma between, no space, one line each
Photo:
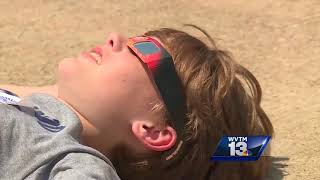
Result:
279,41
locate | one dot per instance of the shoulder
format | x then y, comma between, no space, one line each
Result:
83,166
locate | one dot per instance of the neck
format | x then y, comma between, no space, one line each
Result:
92,136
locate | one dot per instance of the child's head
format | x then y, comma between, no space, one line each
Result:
127,120
115,93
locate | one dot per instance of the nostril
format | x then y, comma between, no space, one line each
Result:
111,43
114,41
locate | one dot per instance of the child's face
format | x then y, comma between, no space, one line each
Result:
108,93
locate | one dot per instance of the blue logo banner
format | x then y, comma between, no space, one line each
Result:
240,148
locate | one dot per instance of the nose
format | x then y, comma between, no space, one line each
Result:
116,42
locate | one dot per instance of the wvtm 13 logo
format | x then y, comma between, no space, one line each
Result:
240,148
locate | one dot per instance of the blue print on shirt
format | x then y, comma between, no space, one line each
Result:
48,123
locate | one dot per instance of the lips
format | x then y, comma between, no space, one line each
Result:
95,55
98,50
89,56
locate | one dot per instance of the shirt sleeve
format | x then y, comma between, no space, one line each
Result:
78,166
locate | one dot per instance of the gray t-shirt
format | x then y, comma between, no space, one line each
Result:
40,139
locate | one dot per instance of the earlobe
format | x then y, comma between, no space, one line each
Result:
157,139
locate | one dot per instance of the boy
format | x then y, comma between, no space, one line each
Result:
154,105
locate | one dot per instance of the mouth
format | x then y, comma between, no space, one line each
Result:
93,57
96,53
97,50
96,57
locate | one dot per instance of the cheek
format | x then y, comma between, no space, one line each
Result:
111,85
110,81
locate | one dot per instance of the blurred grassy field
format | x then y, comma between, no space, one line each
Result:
279,41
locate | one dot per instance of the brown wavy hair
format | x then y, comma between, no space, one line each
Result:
223,98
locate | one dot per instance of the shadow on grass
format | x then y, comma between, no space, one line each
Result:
277,170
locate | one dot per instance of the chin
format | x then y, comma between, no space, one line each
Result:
66,69
68,72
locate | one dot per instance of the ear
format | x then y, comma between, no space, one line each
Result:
153,137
